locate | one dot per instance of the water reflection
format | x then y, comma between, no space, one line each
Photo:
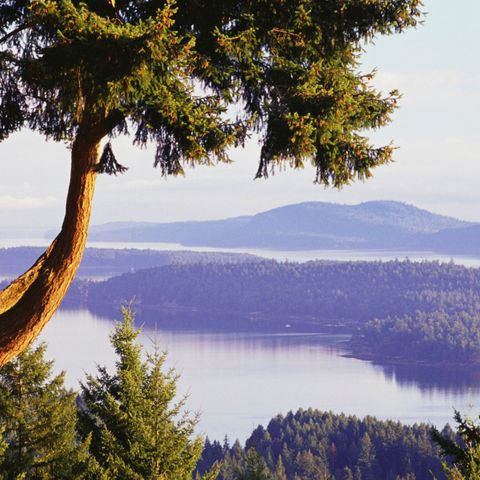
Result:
238,380
183,319
463,381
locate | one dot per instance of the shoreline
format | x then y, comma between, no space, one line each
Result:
383,360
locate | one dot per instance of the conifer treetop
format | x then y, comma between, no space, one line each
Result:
138,427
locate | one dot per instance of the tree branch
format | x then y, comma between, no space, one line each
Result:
14,32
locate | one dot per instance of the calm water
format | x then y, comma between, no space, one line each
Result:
239,380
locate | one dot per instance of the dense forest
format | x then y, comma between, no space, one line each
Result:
399,310
352,292
313,445
435,337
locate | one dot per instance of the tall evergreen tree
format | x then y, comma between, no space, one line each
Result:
462,455
38,418
168,70
366,457
254,467
139,431
280,473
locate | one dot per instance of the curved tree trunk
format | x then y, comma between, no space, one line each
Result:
13,292
29,302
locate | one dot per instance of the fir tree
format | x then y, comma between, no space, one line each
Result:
366,457
254,468
347,474
138,431
38,417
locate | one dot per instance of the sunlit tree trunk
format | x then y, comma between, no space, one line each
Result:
29,302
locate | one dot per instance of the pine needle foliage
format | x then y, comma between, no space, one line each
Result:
462,455
38,419
173,71
139,431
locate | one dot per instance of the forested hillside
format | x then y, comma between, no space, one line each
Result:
351,292
304,226
398,310
429,337
312,445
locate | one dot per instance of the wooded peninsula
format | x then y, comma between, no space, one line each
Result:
397,311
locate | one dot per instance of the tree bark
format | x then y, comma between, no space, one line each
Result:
13,292
29,302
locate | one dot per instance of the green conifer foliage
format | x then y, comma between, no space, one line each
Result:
280,473
139,431
366,457
292,66
347,474
254,467
38,418
462,454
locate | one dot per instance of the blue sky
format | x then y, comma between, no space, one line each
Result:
437,164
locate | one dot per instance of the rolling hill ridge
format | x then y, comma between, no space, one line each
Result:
384,225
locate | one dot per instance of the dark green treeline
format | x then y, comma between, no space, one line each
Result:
315,445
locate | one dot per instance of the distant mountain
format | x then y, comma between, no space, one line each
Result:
304,226
464,241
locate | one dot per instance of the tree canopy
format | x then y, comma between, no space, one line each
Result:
167,71
462,454
315,445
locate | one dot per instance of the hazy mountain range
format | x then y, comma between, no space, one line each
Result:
384,225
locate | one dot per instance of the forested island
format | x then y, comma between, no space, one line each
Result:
398,311
311,444
106,262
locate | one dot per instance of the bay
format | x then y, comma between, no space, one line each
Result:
240,380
